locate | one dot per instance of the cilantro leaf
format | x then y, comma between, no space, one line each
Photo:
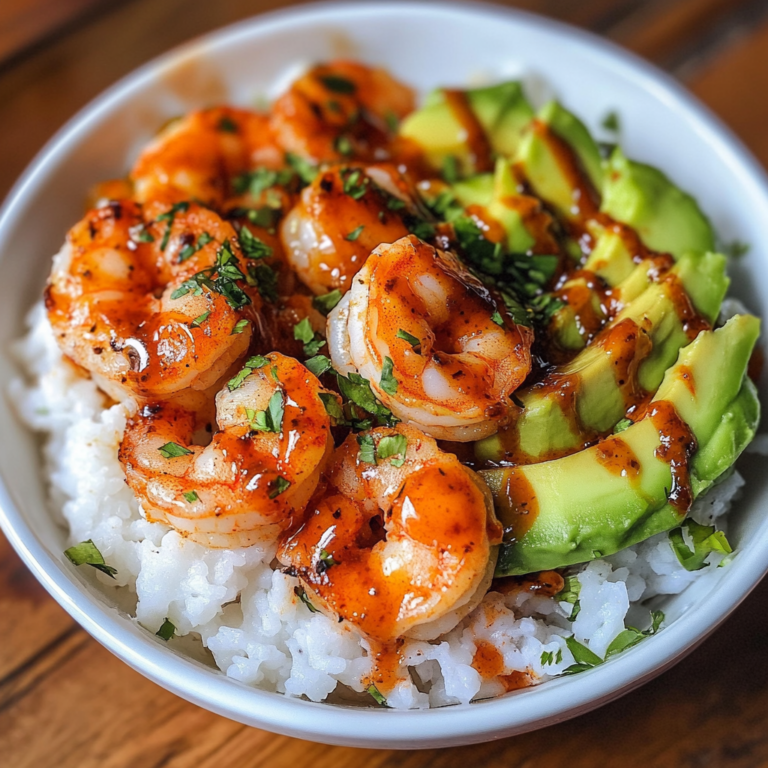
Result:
631,636
332,406
388,381
87,553
301,593
305,170
167,630
270,420
253,247
240,326
338,84
622,425
280,485
355,233
257,361
173,451
191,497
376,694
410,338
392,445
497,318
318,365
570,594
327,301
612,122
200,319
584,658
367,452
706,540
303,331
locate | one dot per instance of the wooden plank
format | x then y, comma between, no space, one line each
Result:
26,22
31,621
735,84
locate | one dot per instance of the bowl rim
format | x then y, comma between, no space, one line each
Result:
514,713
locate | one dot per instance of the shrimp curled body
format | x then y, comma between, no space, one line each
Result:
261,467
406,547
431,340
114,308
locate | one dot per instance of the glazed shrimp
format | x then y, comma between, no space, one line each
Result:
339,110
119,306
259,469
438,351
403,547
197,155
341,217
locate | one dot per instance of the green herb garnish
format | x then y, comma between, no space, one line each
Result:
87,553
570,594
497,318
305,170
253,247
227,124
355,233
300,592
354,182
377,696
622,425
200,319
612,122
257,361
410,338
169,216
318,365
240,326
338,84
191,497
332,406
167,630
631,636
393,445
706,540
367,452
270,420
325,303
280,485
173,451
388,381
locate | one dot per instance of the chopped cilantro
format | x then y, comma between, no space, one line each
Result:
167,630
451,169
622,425
300,592
355,233
584,658
338,84
392,445
547,658
305,170
326,561
388,381
410,338
264,278
173,451
251,364
240,326
497,318
706,540
421,229
367,452
318,365
343,145
280,485
302,331
612,122
190,250
354,182
377,696
191,497
327,301
631,636
87,553
357,390
253,247
169,216
570,594
270,420
332,406
736,249
200,319
144,236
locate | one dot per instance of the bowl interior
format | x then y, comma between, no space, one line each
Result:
425,45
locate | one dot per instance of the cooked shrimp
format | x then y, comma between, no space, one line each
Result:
341,109
197,155
341,217
437,349
261,467
403,547
119,305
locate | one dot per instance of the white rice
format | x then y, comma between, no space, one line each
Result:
246,612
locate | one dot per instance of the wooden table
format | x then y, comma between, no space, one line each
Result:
65,701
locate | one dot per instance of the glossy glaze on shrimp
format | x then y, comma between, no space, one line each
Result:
197,156
260,468
118,308
339,110
405,546
437,349
341,217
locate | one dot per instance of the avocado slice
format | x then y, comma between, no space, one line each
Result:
622,490
440,127
525,223
586,397
667,219
551,172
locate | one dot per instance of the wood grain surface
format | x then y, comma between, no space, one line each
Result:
65,701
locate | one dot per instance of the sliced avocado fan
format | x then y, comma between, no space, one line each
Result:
636,484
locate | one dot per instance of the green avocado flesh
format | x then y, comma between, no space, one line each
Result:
587,509
628,329
502,111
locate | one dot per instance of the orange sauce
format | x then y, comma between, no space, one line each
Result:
517,506
479,146
677,446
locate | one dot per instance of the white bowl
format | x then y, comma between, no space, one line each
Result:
427,45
